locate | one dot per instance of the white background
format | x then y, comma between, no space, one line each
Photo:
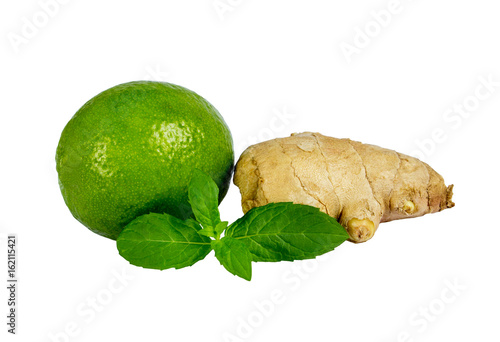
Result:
271,68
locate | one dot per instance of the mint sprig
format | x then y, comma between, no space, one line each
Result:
274,232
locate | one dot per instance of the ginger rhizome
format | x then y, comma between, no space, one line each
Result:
360,185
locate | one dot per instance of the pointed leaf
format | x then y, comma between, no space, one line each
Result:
287,231
234,256
162,241
203,196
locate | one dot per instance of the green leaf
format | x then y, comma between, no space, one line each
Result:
287,231
214,232
162,241
208,231
234,256
203,196
221,226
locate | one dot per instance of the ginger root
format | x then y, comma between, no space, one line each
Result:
360,185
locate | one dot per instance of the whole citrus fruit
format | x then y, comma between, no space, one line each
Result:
131,150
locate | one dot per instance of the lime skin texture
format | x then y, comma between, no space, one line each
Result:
132,149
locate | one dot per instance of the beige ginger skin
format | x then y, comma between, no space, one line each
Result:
360,185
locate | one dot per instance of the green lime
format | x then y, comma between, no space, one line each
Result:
132,149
